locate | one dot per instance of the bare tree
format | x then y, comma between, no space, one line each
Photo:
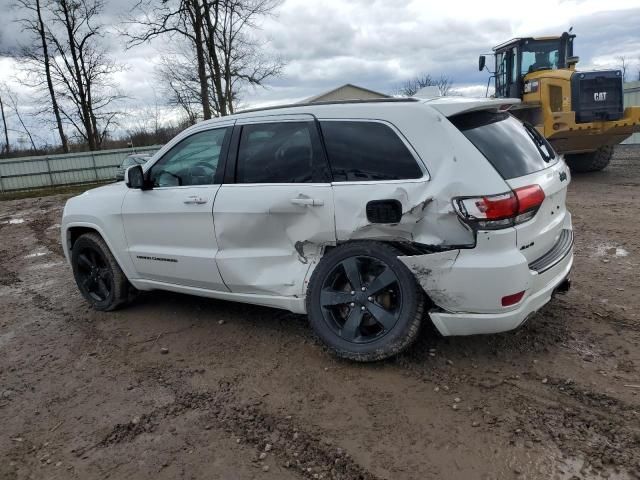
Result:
180,84
411,87
217,33
37,57
623,65
82,70
174,19
243,61
13,103
7,145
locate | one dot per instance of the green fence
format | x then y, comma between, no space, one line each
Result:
69,169
631,99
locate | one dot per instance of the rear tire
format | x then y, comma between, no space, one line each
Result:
368,316
98,276
591,161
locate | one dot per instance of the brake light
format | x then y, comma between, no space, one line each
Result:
504,210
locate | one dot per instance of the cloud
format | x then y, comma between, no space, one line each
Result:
374,43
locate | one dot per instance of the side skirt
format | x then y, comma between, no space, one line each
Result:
293,304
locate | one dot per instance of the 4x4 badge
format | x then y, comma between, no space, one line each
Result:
563,176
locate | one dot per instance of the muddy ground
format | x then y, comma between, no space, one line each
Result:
245,392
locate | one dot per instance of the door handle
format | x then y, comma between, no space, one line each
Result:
305,201
195,200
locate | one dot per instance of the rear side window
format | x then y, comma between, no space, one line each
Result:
284,152
367,151
513,149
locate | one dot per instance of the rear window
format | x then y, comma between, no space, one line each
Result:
367,151
514,149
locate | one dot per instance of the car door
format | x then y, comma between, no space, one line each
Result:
169,227
276,214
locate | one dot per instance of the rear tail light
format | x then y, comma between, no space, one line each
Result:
493,212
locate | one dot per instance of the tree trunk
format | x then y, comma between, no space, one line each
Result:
213,54
47,68
6,130
198,27
86,115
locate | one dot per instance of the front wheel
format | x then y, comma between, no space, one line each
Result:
98,276
364,303
591,161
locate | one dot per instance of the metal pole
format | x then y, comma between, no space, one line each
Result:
95,168
49,170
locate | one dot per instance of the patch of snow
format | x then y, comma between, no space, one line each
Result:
621,252
606,249
36,254
15,221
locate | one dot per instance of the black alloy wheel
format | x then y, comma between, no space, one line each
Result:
363,303
94,274
361,299
98,276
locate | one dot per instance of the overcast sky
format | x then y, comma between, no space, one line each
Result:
379,43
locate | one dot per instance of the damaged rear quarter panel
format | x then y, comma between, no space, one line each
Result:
452,167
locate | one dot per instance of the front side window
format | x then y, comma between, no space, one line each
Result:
285,152
193,161
367,151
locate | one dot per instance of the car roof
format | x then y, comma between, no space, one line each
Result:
449,105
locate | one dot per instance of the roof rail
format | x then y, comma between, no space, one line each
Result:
334,102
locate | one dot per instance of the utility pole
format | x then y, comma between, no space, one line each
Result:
4,123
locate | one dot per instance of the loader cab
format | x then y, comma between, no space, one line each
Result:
518,57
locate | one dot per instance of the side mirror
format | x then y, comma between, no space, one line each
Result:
482,60
572,61
134,177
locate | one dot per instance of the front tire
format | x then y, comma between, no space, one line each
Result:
364,303
98,276
591,161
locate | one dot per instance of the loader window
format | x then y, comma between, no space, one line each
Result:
512,149
541,55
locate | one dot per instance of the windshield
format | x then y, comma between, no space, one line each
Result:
514,149
541,55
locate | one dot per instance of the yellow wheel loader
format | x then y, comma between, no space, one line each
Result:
580,113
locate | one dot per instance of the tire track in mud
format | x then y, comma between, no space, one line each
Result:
603,430
299,449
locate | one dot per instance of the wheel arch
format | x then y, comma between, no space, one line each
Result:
408,249
75,230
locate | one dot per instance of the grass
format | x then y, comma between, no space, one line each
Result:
45,192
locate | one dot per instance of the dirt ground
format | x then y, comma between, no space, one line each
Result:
246,392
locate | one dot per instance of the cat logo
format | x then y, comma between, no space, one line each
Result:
600,96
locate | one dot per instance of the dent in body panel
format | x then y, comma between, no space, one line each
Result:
429,269
267,242
427,218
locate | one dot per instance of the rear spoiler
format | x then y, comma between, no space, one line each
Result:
450,106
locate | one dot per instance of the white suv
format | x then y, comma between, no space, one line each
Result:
364,215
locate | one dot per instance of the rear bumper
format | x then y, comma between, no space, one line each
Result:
468,285
541,290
